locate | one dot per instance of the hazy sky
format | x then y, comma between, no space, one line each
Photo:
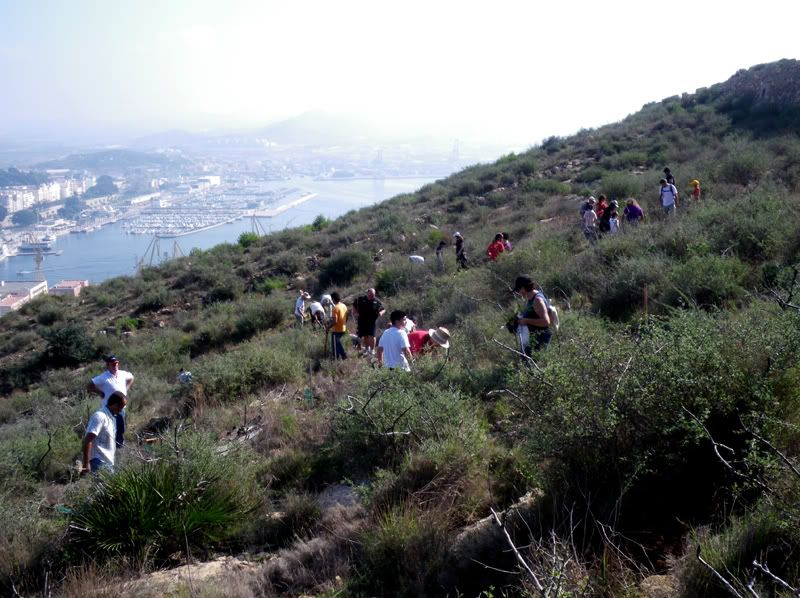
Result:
506,70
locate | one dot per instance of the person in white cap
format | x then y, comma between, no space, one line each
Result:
424,341
317,314
300,307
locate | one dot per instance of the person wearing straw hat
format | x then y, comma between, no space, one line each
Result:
425,341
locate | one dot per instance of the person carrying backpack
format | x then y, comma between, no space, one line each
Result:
669,197
538,315
668,176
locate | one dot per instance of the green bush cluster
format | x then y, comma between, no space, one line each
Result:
342,268
189,497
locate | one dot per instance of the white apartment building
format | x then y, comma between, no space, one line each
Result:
17,198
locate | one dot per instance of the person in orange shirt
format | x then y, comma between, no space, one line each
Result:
495,248
338,326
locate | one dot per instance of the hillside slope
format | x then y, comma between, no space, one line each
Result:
662,420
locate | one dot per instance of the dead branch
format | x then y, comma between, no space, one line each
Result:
765,569
772,448
718,575
527,358
523,563
513,394
716,445
47,452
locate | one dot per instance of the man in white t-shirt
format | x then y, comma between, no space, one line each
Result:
110,381
394,350
317,313
99,441
669,196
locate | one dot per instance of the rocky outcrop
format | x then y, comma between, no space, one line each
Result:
773,84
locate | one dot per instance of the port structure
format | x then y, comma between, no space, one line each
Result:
153,253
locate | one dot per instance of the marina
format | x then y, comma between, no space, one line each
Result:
107,248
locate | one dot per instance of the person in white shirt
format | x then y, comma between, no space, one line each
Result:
317,313
300,307
327,303
669,196
99,441
394,350
110,381
590,222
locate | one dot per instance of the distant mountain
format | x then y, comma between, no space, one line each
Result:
111,161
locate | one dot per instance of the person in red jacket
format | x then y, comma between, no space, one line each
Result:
495,248
423,341
601,206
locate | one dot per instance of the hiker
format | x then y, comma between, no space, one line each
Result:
184,377
110,381
327,304
604,222
300,307
586,206
495,248
590,222
99,440
416,259
337,326
695,189
424,341
669,197
600,207
613,217
393,347
366,310
317,313
668,176
461,256
535,315
507,242
440,255
633,213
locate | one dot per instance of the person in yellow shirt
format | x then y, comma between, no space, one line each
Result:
338,326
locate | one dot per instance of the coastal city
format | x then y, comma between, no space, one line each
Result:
172,188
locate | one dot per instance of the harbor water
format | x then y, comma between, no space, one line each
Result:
109,252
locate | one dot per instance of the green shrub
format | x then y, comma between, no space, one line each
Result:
706,281
155,299
625,285
236,373
397,276
320,222
731,551
68,345
404,553
550,186
591,174
342,268
399,416
247,239
743,167
620,186
149,510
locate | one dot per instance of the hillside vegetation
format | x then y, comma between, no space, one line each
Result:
658,429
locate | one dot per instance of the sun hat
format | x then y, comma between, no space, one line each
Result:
456,234
440,336
306,295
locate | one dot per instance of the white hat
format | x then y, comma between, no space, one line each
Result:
440,336
456,234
